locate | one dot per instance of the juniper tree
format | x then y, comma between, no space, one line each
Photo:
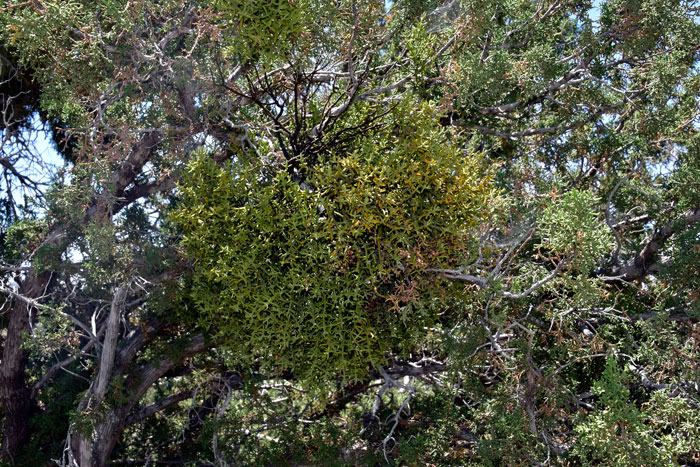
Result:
277,215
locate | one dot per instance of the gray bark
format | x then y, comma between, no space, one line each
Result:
93,449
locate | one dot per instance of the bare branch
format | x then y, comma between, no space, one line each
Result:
159,406
109,346
644,262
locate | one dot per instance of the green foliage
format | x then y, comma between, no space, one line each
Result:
51,333
501,426
261,29
571,228
327,279
328,160
675,425
683,272
617,434
21,238
428,433
420,48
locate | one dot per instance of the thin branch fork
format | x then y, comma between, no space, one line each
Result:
389,383
57,367
644,262
482,283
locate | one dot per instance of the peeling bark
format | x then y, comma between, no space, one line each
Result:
93,448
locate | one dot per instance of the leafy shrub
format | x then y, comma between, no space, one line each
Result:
326,277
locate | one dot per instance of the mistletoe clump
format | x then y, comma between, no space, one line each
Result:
327,276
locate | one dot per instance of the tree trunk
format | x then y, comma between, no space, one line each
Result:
93,448
16,398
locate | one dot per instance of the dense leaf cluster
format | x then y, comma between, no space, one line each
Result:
327,277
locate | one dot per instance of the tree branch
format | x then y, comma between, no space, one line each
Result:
156,407
644,263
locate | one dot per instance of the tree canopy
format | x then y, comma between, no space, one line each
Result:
358,232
